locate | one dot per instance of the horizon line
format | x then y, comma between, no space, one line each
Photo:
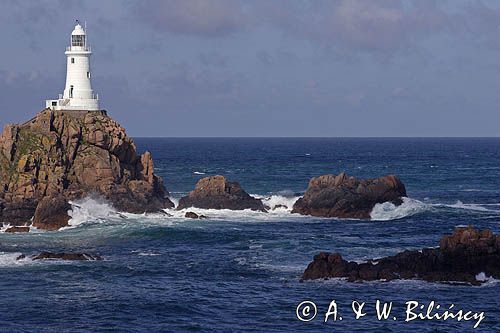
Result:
315,137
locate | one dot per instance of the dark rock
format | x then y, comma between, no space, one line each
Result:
18,229
460,257
74,154
279,206
217,193
52,213
21,256
66,256
347,197
18,213
191,215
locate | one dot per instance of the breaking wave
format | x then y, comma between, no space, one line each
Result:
279,205
279,202
90,209
10,259
388,211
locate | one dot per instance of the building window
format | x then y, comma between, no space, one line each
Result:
54,103
88,75
72,60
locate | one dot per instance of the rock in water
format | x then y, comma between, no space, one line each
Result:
66,256
217,193
193,215
52,213
73,154
348,197
459,258
18,229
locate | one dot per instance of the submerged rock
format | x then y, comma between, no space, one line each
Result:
348,197
459,258
217,193
66,256
72,154
17,229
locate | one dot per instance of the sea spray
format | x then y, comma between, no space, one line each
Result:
90,209
388,211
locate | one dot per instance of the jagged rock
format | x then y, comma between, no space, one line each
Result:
17,213
66,256
18,229
348,197
73,154
193,215
459,258
217,193
52,213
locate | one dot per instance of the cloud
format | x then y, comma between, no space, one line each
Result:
361,25
192,17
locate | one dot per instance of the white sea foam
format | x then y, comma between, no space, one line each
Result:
278,202
388,211
471,206
199,173
482,277
9,259
90,209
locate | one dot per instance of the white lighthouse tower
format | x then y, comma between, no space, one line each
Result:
78,94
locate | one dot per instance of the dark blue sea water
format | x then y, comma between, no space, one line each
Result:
239,271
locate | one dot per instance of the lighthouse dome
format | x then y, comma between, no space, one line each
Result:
78,30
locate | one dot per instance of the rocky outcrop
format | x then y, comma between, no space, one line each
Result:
73,154
217,193
52,213
459,258
348,197
66,256
17,229
193,215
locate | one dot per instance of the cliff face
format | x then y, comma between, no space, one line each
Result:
73,154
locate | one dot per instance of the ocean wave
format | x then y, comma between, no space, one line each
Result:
9,259
97,210
388,211
199,173
470,206
90,209
283,201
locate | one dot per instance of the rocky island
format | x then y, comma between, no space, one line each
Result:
461,257
216,192
348,197
59,156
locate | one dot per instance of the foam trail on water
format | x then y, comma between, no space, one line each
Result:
475,207
388,211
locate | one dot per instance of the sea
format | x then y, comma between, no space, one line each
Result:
239,271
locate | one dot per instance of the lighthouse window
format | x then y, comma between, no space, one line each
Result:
72,60
78,40
88,75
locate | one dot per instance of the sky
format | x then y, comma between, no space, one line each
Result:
216,68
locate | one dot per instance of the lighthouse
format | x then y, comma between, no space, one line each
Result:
78,93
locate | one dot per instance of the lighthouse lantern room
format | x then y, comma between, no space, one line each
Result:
78,94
